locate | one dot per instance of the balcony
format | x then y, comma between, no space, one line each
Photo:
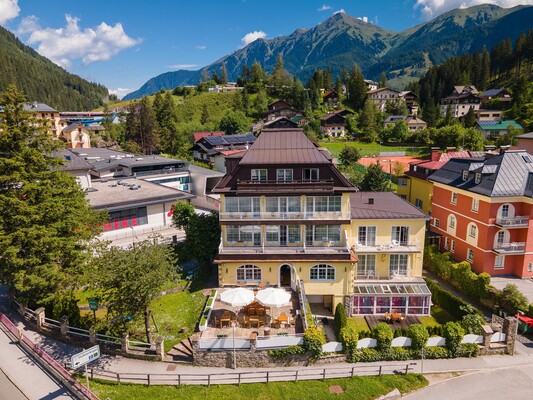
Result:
513,222
323,186
510,248
283,216
393,247
394,275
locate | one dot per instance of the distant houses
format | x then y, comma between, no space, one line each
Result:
209,146
380,97
413,123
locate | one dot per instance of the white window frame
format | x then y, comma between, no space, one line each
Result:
333,203
397,232
399,264
322,272
472,231
475,205
477,179
311,171
248,270
284,174
469,255
366,266
499,262
402,182
436,222
454,198
446,242
452,246
370,234
242,203
260,174
465,175
452,221
418,203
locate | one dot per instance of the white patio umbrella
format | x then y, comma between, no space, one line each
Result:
237,297
273,297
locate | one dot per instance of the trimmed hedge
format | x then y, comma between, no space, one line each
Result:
383,333
447,300
314,338
287,351
340,319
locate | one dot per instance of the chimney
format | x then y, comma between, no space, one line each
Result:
435,153
370,200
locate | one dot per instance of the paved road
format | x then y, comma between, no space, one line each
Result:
8,391
509,383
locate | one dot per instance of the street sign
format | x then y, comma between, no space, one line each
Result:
93,303
85,357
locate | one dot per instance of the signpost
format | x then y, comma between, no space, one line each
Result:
93,305
85,357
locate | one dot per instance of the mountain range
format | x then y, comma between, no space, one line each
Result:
42,80
342,41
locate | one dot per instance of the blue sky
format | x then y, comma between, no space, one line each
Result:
122,44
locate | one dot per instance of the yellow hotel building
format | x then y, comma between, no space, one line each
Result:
289,217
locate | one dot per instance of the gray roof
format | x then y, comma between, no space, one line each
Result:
528,135
35,107
508,174
283,146
386,205
108,194
73,162
394,118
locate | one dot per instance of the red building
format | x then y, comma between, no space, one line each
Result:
482,208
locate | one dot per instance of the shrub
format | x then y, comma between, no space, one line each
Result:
472,322
287,351
418,335
512,300
396,354
340,319
349,338
447,300
436,352
468,350
313,340
369,355
382,332
453,332
398,332
530,311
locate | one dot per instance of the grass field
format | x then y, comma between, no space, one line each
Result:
358,323
368,149
357,388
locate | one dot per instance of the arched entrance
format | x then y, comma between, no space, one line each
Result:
285,275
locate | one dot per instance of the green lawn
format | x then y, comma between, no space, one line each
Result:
441,315
358,323
368,149
357,388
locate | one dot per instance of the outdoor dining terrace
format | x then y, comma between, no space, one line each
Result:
263,320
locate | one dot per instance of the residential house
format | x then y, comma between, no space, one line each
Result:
371,85
482,208
334,124
42,111
289,218
380,97
489,115
413,123
78,135
415,186
502,96
462,99
207,147
280,123
300,120
331,98
280,108
493,129
525,141
199,135
220,160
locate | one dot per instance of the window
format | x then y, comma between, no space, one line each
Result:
451,221
470,255
242,204
367,235
294,234
446,240
248,273
284,174
418,203
465,174
398,264
436,222
452,247
454,198
310,174
366,266
283,204
324,233
323,204
505,211
500,238
475,205
238,233
402,182
472,232
322,272
272,233
498,262
478,178
259,175
400,234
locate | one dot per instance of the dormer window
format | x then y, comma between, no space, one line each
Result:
259,174
310,174
465,174
478,178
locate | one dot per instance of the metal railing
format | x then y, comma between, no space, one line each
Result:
294,215
512,247
238,378
302,299
522,220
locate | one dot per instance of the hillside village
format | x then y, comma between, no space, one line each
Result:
270,222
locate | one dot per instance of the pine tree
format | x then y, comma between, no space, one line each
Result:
356,88
223,74
375,179
383,80
45,218
204,117
141,126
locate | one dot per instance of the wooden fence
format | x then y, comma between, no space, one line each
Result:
238,378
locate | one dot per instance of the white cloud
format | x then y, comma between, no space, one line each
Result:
182,66
9,9
64,45
432,8
340,11
252,36
324,8
201,47
364,19
120,92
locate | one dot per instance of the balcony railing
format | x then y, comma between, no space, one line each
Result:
392,275
334,215
393,247
510,248
513,222
299,186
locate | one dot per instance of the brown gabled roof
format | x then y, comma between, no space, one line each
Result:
199,135
283,146
383,205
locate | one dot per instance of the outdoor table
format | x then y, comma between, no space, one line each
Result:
396,316
222,320
283,319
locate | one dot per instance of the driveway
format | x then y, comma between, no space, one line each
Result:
524,285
